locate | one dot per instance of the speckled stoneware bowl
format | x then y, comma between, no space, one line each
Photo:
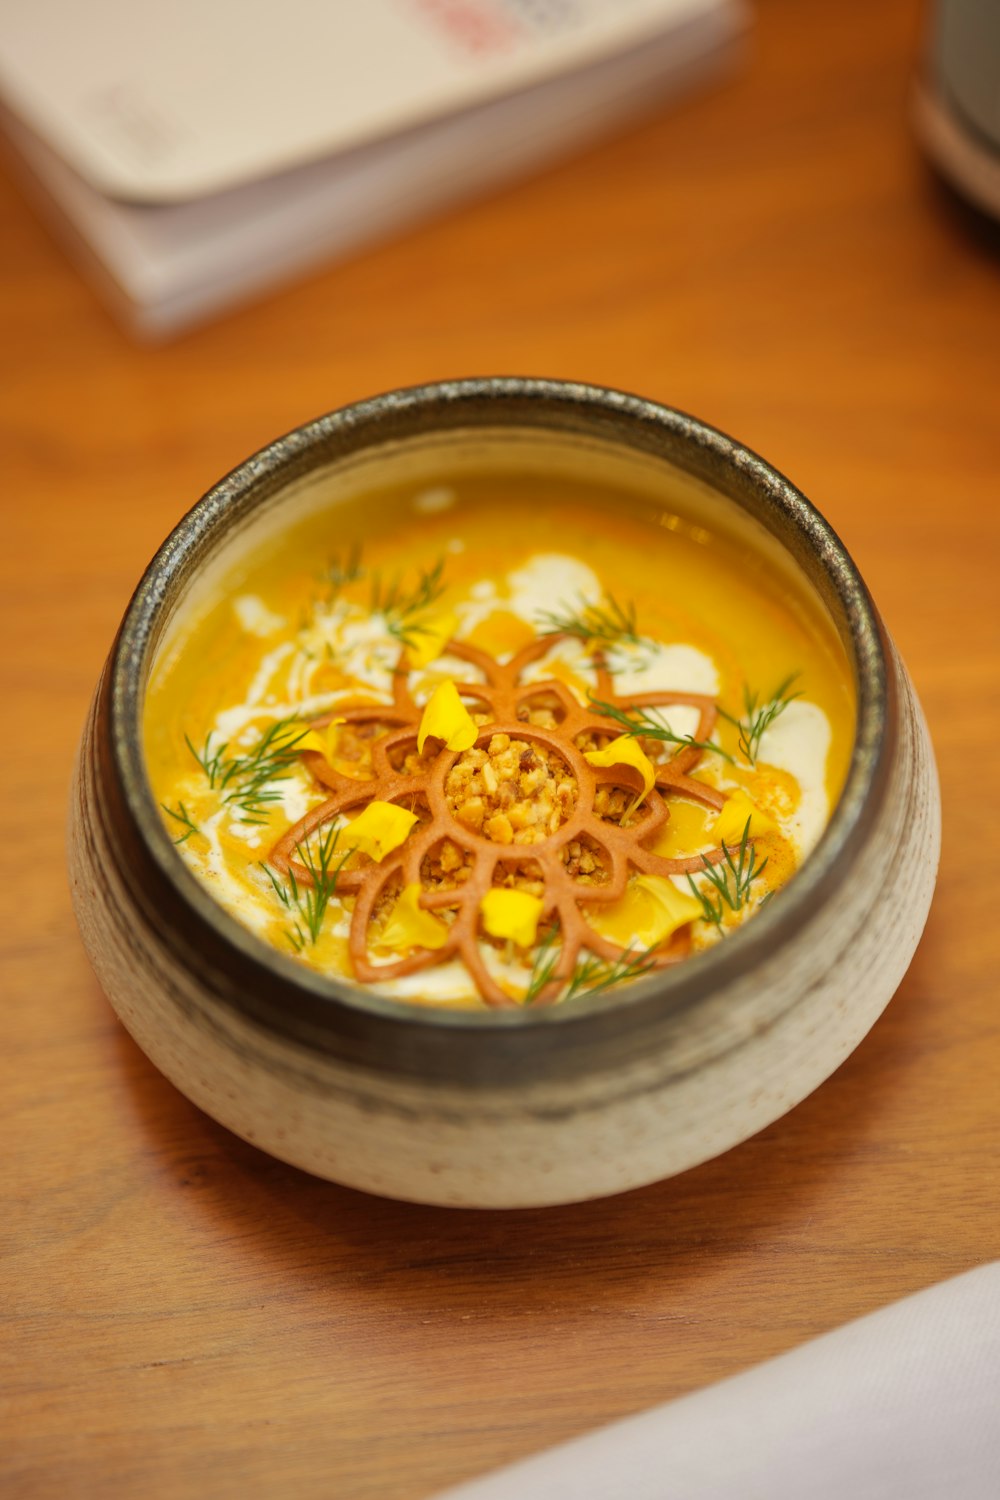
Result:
505,1108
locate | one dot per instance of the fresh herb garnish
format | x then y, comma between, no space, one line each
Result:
183,817
591,976
401,606
594,975
244,780
642,724
307,904
758,717
342,571
543,967
210,760
731,881
609,622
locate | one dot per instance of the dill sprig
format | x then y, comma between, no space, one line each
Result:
640,723
758,717
183,817
595,975
208,758
591,976
398,602
731,881
543,967
245,780
342,571
402,606
609,622
307,904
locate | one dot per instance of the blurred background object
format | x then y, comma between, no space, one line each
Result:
198,153
958,98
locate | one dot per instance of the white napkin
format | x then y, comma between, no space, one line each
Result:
903,1403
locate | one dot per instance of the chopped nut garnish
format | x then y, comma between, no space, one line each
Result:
445,866
584,862
511,791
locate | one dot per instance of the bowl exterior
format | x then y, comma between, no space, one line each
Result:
701,1081
507,1109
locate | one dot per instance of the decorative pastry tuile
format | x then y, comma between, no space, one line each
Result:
501,696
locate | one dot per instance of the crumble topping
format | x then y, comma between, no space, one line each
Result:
512,792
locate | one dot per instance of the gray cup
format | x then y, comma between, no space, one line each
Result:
958,99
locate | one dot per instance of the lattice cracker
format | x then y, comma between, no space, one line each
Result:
505,701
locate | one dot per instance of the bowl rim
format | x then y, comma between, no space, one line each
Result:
302,1003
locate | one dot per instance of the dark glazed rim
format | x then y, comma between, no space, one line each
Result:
471,1046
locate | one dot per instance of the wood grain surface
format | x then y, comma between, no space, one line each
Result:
184,1316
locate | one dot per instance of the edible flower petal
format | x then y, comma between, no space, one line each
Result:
429,638
729,826
447,718
410,926
650,911
381,828
672,908
626,751
322,741
511,914
325,742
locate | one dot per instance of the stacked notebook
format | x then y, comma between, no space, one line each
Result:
201,150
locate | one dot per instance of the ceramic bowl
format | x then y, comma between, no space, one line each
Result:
505,1108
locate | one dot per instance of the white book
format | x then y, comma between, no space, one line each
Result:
201,150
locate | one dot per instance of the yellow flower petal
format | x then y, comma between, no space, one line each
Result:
410,926
650,911
447,718
511,914
381,828
429,639
349,768
732,820
675,908
626,751
322,741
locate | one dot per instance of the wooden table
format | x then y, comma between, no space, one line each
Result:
185,1316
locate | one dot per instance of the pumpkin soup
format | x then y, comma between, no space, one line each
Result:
504,744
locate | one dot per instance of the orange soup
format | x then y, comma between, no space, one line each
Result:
499,742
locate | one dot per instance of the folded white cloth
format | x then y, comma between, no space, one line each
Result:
903,1403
